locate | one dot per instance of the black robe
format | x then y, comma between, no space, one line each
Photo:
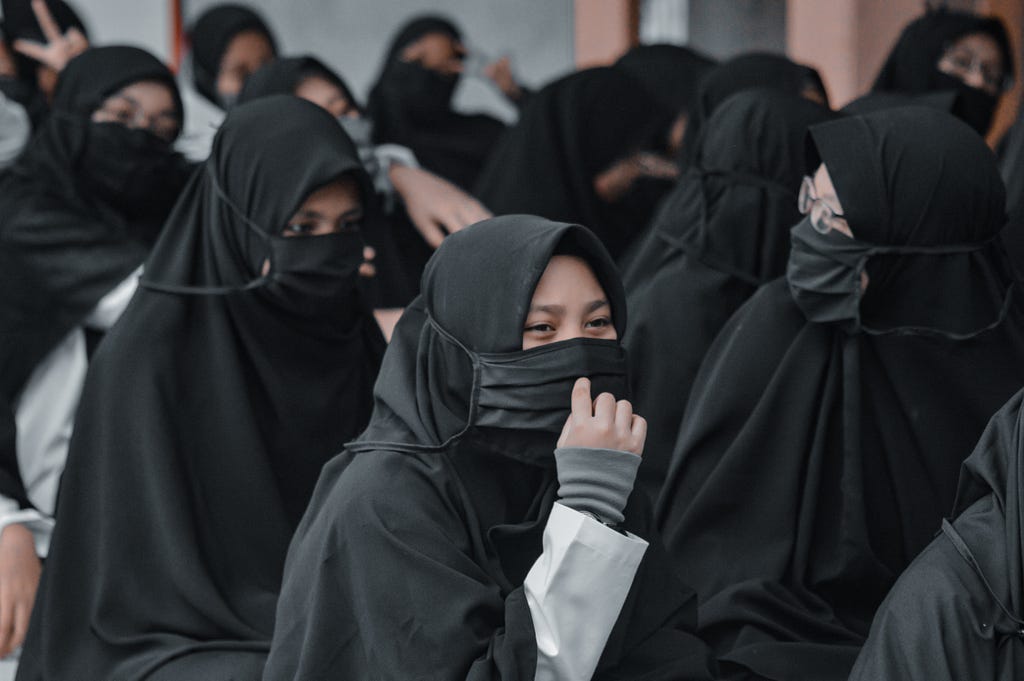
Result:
410,560
210,36
958,610
569,132
814,462
207,415
912,66
721,233
411,106
401,251
64,248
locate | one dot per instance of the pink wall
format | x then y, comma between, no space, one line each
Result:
604,30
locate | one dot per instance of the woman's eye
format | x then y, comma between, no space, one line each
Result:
350,226
299,228
599,323
540,328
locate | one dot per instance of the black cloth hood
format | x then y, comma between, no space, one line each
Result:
210,418
572,130
813,463
210,36
669,72
721,233
284,74
747,71
476,293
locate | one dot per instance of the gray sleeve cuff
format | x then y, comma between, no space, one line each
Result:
596,481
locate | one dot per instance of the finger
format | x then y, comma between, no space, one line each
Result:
623,419
32,50
369,253
638,435
581,403
51,30
77,42
472,212
604,408
565,430
367,270
6,621
21,619
430,232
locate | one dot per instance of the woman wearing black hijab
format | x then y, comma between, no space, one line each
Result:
410,103
958,610
957,51
229,43
722,233
79,211
753,70
448,541
827,423
244,362
585,150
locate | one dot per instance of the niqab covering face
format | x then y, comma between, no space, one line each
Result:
912,66
816,458
720,234
411,105
570,131
444,498
208,414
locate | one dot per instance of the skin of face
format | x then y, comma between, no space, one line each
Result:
826,192
327,96
246,52
437,52
567,303
146,104
335,207
970,58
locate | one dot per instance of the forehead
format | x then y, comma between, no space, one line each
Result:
317,85
248,45
149,94
981,44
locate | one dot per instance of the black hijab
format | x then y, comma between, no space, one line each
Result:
753,70
818,453
958,610
411,105
569,132
210,37
65,245
411,558
284,74
207,415
669,72
721,233
20,23
912,66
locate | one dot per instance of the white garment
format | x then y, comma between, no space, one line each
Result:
202,119
576,590
15,130
44,413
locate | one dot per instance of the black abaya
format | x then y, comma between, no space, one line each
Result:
816,458
207,415
411,559
721,233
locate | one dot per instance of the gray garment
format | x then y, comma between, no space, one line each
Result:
597,481
15,130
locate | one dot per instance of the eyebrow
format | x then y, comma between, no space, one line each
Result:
560,309
172,113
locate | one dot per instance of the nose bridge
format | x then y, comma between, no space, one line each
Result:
974,76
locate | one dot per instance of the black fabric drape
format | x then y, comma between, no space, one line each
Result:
210,36
753,70
411,558
958,612
62,248
206,419
411,105
669,72
721,233
912,66
569,132
813,464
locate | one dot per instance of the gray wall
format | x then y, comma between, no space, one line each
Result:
351,35
725,29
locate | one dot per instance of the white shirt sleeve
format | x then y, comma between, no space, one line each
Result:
576,590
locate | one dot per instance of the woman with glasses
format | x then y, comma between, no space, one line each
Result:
956,51
79,211
827,424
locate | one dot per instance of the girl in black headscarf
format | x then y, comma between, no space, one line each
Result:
410,103
722,233
229,43
827,423
585,150
448,541
244,362
958,610
747,71
79,211
958,51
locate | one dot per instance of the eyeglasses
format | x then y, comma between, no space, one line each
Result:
962,63
129,113
823,218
